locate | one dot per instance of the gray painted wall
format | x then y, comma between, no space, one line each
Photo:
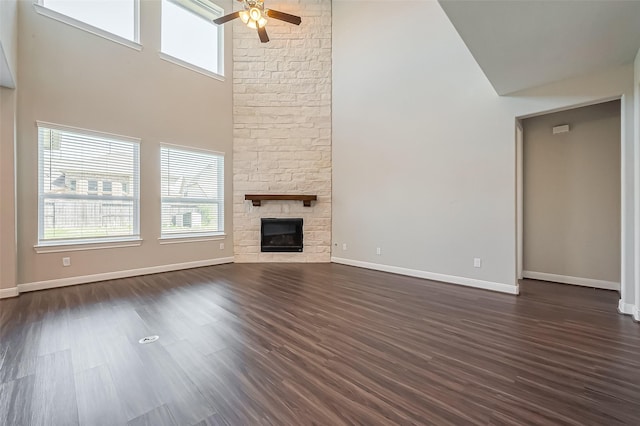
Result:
75,78
7,188
8,42
8,106
572,193
636,119
424,149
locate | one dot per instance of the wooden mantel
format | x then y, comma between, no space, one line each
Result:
257,199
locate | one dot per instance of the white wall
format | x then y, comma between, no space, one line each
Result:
572,196
75,78
424,149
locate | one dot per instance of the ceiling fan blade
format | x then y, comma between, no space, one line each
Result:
226,18
292,19
262,33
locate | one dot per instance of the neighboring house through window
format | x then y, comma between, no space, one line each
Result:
192,185
77,170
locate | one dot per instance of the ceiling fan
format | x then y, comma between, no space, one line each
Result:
255,16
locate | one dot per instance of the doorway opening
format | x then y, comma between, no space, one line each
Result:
569,204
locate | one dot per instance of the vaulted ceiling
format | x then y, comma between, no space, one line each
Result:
523,44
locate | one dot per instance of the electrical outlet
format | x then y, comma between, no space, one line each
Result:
66,261
477,262
378,251
221,246
344,246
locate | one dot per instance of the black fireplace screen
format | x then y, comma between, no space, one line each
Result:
283,235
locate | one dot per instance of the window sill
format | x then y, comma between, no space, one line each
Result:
179,239
82,246
189,66
45,11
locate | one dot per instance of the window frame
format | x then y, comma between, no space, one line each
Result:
169,238
215,11
40,7
70,244
105,184
92,186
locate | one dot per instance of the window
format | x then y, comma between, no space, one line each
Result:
106,187
92,186
192,184
107,18
189,37
72,163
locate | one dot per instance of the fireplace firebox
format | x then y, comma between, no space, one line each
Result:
281,235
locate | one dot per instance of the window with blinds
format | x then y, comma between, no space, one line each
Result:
192,184
88,186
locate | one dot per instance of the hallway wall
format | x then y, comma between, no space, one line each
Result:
572,196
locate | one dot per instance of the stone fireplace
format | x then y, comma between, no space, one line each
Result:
282,130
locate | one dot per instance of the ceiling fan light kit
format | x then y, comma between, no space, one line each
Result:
255,16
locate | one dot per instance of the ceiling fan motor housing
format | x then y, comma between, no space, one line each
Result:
255,16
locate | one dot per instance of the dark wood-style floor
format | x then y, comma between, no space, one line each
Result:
324,344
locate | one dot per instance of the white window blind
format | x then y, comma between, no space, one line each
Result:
88,186
189,34
192,185
119,17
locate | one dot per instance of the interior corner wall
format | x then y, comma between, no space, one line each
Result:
282,129
8,105
424,149
636,120
8,42
572,194
71,77
7,189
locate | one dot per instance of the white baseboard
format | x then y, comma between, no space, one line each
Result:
63,282
5,293
625,308
565,279
451,279
629,309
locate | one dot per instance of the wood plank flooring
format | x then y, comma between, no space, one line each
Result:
319,344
